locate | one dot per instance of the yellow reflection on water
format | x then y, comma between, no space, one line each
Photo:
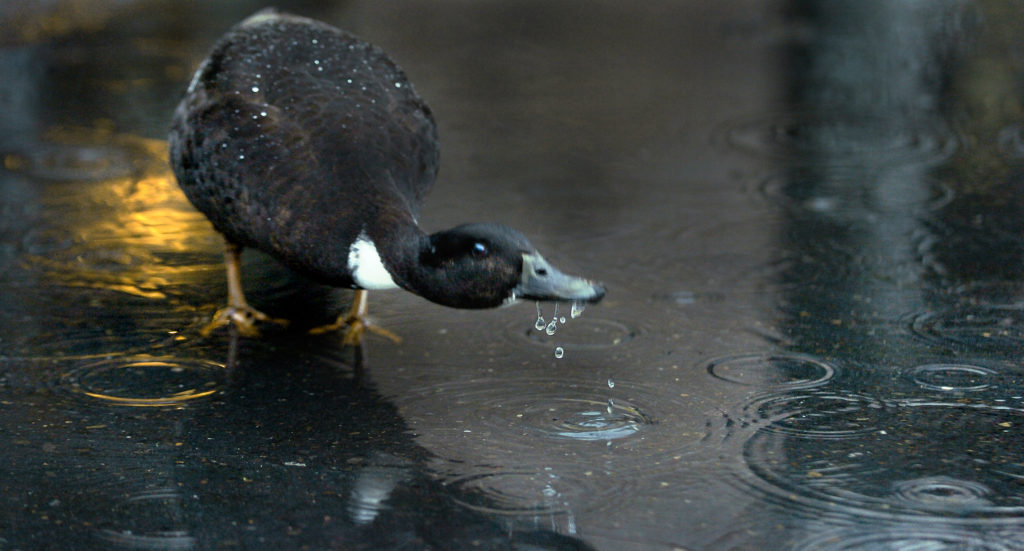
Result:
172,400
135,234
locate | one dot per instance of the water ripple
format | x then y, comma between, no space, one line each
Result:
547,422
897,470
941,492
152,519
852,194
971,328
815,415
906,538
773,369
513,493
144,381
952,377
585,419
839,139
98,324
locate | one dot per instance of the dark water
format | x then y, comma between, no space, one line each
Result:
808,214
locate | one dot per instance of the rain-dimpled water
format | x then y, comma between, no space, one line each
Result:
807,215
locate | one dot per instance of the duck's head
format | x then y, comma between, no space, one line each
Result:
488,265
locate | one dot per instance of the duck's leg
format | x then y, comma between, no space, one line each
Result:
238,310
356,321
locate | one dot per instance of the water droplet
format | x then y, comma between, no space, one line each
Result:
559,352
577,309
315,41
561,319
591,334
540,319
255,89
263,113
316,62
611,406
553,326
398,85
611,382
241,156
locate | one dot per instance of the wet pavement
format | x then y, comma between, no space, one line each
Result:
808,214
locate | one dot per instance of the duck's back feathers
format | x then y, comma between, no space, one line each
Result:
294,137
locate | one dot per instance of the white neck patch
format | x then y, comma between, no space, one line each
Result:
366,267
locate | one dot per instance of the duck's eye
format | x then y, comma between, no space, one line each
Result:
541,272
479,249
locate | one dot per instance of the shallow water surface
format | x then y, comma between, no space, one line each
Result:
807,215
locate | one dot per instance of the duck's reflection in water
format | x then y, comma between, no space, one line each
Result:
317,433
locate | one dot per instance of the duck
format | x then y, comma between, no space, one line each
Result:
305,142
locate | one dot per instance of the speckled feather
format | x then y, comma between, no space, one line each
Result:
292,131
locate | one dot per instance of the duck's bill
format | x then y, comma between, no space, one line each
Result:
541,281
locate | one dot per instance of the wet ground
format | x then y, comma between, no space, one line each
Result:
808,215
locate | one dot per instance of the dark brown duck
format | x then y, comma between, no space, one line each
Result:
305,142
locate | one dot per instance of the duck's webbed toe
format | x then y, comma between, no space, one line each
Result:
243,317
356,322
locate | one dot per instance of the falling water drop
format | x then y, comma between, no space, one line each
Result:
559,352
553,326
540,319
577,309
611,406
561,320
611,382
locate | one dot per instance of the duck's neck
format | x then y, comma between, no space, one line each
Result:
406,243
